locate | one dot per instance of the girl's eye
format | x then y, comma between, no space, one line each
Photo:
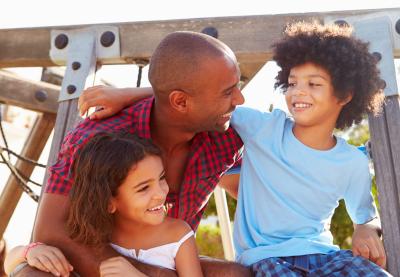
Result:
162,177
315,85
291,84
143,188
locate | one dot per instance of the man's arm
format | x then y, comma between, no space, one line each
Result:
110,100
230,183
50,229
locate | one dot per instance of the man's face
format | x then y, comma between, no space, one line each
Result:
212,105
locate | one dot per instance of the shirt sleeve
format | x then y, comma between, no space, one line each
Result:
358,197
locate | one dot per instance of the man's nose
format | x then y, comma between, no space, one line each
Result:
238,98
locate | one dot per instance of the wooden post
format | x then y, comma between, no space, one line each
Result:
32,149
385,134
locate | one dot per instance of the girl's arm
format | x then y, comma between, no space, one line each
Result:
41,256
110,100
187,259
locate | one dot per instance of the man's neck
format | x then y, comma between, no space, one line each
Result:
167,131
319,137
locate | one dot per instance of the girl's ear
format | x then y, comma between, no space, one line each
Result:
111,206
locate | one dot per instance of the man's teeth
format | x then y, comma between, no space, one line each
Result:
156,208
301,105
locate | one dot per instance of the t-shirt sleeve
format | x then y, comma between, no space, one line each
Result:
358,197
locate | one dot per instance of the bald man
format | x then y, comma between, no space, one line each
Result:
195,82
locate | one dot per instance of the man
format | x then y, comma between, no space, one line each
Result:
195,81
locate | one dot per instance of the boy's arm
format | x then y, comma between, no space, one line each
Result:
230,182
367,243
50,229
111,100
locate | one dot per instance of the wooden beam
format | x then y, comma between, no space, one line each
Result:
249,36
20,92
32,149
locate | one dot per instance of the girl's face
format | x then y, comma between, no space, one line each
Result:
141,197
310,96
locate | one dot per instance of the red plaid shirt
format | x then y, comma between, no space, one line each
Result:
211,155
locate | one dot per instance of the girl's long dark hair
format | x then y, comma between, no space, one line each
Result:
99,169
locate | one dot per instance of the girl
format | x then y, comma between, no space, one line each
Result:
119,197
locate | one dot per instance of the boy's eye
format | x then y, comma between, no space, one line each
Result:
315,84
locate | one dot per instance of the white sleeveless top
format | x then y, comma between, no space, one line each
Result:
163,255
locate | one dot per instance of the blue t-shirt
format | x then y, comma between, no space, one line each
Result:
288,191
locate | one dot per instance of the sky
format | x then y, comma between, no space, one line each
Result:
259,93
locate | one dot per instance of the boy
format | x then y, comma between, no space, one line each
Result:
294,170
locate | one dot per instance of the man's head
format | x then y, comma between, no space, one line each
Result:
352,69
197,76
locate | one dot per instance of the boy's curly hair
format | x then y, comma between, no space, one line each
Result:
351,67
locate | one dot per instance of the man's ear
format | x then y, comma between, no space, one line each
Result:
347,99
179,100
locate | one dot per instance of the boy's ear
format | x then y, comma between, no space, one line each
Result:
111,206
179,100
346,100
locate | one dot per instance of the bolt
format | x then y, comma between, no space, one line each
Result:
107,39
41,95
211,31
76,65
377,56
398,26
342,23
61,41
382,84
71,89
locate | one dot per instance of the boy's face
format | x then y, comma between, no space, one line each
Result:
310,97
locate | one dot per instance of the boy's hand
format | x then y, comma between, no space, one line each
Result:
366,243
118,266
49,259
110,100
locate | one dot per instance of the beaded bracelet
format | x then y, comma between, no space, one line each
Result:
29,247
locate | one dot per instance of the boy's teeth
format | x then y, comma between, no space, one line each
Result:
301,105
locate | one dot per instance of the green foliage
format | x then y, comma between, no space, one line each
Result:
209,242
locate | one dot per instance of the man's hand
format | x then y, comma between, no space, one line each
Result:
366,243
119,266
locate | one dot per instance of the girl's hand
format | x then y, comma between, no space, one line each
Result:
48,259
118,266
